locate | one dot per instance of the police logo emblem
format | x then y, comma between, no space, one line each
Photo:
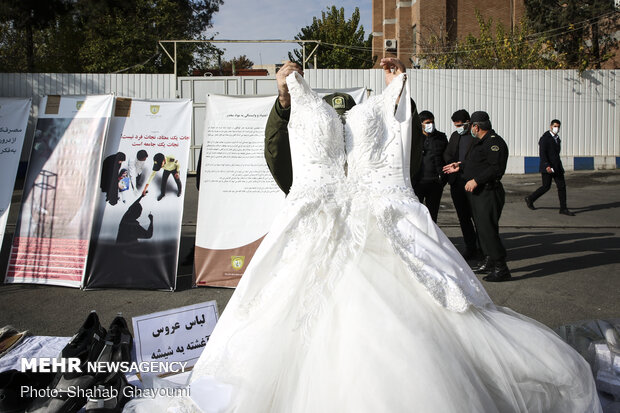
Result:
495,148
78,104
154,109
237,261
338,102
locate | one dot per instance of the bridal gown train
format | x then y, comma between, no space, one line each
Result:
357,302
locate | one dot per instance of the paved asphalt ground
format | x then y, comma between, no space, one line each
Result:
565,269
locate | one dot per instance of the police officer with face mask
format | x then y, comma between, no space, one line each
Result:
483,168
457,148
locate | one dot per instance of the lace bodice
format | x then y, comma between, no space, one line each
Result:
316,138
378,142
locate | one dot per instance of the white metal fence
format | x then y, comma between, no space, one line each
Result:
521,103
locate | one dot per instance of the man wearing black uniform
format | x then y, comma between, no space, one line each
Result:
428,183
483,168
551,168
459,143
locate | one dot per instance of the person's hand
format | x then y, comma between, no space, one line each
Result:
176,175
451,168
144,191
283,96
549,170
392,67
471,185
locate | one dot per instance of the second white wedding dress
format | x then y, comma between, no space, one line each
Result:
357,302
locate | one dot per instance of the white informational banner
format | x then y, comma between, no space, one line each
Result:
238,196
143,175
56,216
178,335
14,114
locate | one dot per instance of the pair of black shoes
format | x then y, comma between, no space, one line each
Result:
161,196
563,211
496,270
92,343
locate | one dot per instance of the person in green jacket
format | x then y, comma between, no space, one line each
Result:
277,148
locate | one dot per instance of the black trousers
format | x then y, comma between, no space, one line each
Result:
429,193
463,212
164,181
486,207
546,185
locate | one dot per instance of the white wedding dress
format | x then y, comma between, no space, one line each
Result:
357,302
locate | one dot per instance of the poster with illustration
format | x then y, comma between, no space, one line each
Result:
136,236
55,220
14,114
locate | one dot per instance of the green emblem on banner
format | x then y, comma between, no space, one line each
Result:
154,109
237,261
78,104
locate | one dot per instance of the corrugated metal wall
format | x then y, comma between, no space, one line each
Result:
521,103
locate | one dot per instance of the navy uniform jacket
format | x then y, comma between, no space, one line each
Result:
486,160
549,152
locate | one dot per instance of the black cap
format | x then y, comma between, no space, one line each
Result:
479,116
340,101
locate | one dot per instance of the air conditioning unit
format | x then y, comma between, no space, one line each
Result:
389,45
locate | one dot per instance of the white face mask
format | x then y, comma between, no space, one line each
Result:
429,127
555,130
461,130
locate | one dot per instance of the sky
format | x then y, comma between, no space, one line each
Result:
274,19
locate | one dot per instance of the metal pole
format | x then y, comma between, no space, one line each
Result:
303,57
175,60
176,79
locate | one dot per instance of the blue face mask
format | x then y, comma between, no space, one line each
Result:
471,130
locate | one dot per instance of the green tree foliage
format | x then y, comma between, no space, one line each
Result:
583,31
110,36
241,62
20,22
491,49
343,41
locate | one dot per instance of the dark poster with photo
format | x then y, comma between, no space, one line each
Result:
136,236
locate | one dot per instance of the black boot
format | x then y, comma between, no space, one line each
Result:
483,267
500,272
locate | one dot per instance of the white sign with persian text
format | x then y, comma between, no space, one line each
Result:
178,335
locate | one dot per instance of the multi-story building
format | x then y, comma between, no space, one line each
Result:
401,28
